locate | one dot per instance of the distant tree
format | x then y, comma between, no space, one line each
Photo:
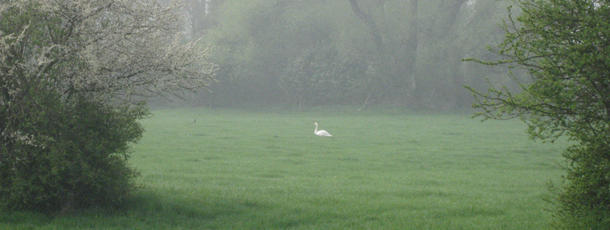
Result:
200,14
403,53
564,45
396,46
72,75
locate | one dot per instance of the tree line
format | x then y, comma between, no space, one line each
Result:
400,53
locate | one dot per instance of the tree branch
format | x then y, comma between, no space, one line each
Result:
368,21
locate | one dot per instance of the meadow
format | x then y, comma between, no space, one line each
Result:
207,169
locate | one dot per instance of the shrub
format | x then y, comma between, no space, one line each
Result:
563,46
59,154
584,202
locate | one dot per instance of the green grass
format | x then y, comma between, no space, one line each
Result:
246,170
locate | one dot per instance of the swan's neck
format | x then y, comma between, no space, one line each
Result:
316,129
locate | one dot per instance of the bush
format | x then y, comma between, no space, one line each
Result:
58,154
563,47
584,202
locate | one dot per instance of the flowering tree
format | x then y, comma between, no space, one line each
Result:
71,75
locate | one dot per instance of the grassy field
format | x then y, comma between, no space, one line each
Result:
235,170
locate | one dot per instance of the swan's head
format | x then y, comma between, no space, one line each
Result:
315,123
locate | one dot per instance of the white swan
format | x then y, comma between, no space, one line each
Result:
322,133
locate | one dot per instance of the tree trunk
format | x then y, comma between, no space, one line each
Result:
455,68
368,21
411,44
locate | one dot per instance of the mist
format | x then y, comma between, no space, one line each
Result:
360,54
301,114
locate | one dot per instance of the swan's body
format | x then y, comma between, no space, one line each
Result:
322,133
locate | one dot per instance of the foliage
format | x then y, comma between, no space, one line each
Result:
70,76
108,49
563,44
317,53
66,154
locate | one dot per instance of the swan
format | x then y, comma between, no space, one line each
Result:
322,133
